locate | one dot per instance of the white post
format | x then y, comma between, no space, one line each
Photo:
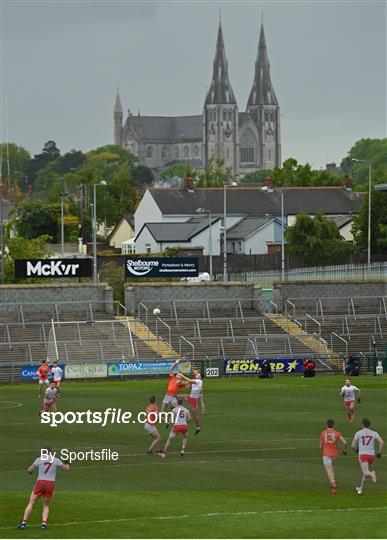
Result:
62,224
282,237
94,234
369,212
210,246
225,277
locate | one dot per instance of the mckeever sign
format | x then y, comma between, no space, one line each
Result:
53,268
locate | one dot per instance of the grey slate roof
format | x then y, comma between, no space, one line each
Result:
167,128
256,202
262,91
340,220
177,232
220,91
246,226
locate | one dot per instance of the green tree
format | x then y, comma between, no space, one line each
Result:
50,152
143,176
378,223
177,171
293,173
115,276
317,241
37,219
214,174
372,150
18,159
24,248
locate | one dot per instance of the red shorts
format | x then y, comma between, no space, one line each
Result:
44,487
366,458
347,404
57,383
48,406
180,429
193,402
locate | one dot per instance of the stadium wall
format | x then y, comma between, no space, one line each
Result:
55,292
307,290
163,294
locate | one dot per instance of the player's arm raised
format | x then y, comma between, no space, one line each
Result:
173,366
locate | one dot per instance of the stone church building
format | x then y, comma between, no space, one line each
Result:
247,141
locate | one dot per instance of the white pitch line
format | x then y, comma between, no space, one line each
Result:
212,514
14,406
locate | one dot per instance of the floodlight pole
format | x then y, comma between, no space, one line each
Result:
282,237
2,233
369,206
102,183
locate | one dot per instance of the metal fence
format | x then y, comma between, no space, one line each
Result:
355,272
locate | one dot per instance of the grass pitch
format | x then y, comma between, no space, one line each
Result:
254,471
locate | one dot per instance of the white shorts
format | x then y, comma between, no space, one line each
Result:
170,400
44,381
151,429
328,460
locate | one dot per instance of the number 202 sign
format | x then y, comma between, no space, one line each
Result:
212,372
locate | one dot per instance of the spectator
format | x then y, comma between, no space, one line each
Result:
266,372
309,368
353,366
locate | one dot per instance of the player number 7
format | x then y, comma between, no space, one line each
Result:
49,465
366,439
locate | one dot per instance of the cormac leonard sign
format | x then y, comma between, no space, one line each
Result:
139,267
53,268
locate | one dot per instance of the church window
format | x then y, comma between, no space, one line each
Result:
186,152
227,153
248,145
269,155
224,116
230,116
164,152
177,152
196,151
149,152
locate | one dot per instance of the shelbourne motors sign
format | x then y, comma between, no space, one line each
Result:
150,267
53,268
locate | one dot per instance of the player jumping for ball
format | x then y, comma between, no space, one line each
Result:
195,396
43,373
175,384
152,412
57,373
181,417
349,393
329,439
44,486
49,402
364,444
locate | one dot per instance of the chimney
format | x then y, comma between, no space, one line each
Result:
268,184
189,184
347,183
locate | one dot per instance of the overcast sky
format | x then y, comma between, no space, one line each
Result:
63,60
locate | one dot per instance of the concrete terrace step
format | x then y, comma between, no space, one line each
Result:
306,339
143,333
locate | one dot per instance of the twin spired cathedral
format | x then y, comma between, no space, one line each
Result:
246,141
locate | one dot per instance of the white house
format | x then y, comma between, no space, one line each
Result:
252,235
160,205
122,232
194,233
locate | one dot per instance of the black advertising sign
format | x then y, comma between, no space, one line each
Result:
53,268
161,267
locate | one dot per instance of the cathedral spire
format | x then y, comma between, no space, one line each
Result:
220,91
117,104
262,91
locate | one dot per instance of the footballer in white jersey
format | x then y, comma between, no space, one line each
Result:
45,484
49,401
180,427
195,396
349,392
364,444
